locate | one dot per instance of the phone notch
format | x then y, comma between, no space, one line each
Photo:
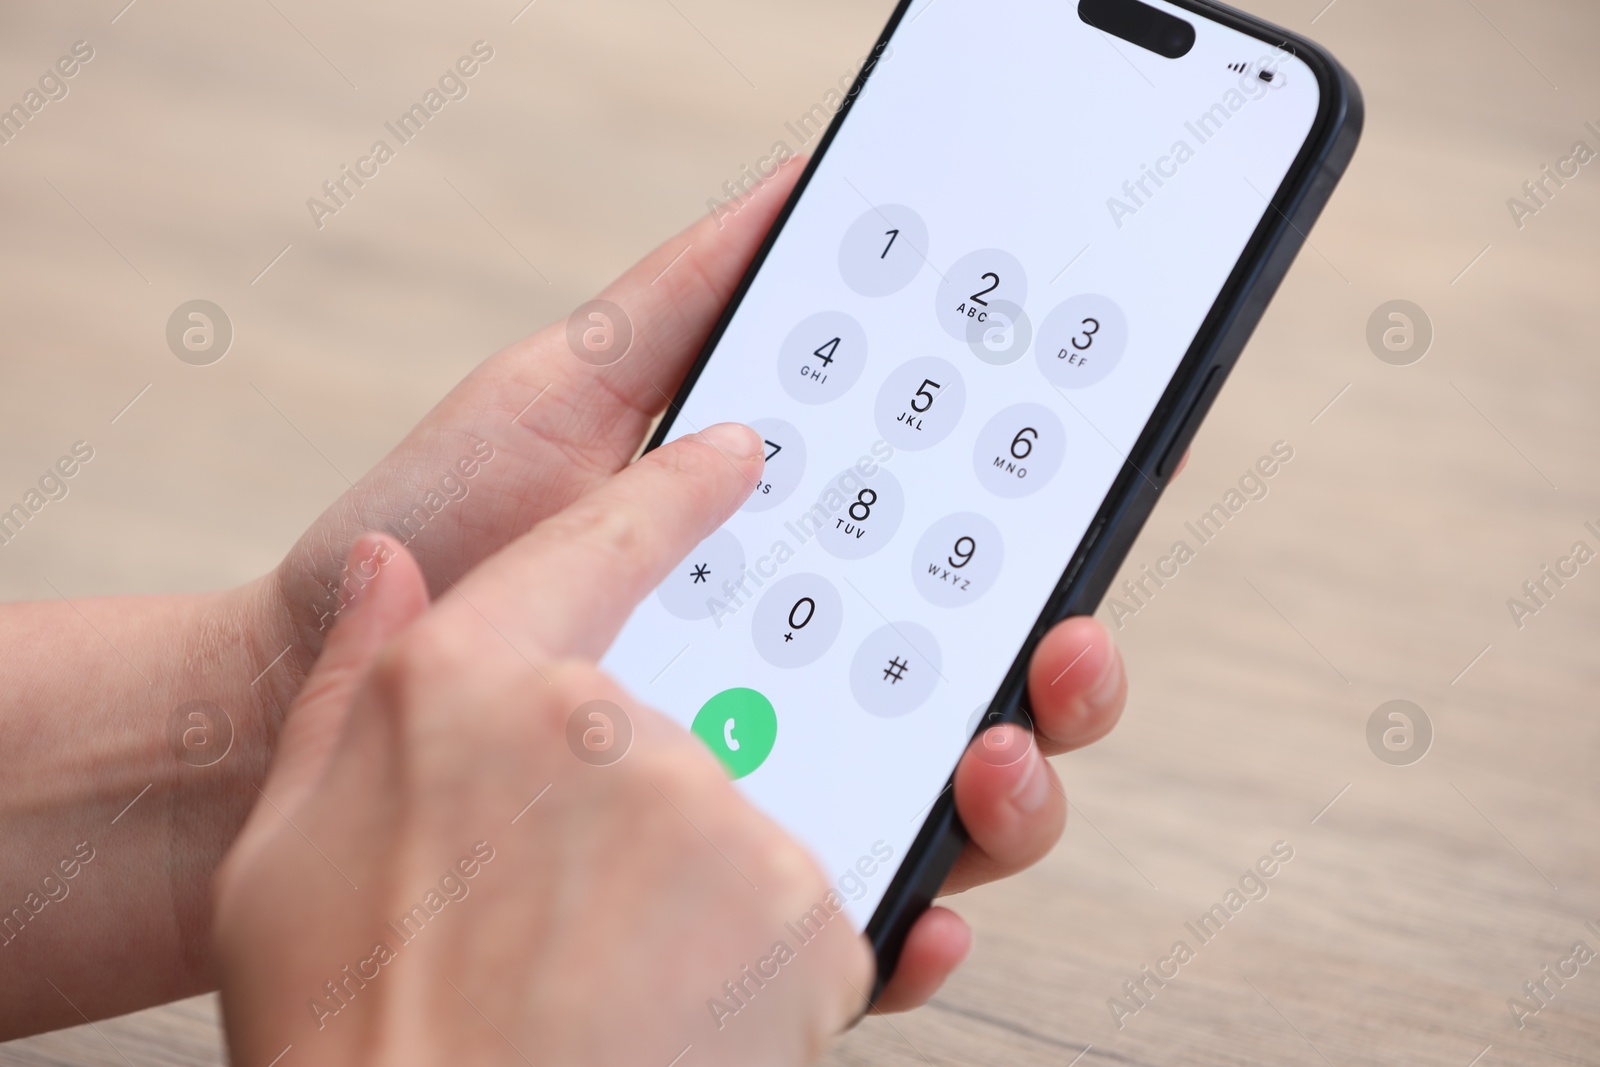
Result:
1138,23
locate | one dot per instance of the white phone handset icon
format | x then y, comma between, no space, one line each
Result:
727,736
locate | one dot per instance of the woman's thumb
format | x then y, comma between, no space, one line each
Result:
381,593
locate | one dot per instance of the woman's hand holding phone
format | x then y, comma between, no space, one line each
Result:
432,874
585,425
251,651
434,877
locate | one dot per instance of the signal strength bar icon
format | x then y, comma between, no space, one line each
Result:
1238,68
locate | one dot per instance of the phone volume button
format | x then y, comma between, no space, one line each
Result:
1084,549
1186,425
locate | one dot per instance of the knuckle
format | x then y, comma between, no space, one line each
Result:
694,781
687,775
571,430
573,681
615,531
788,866
419,661
677,798
691,458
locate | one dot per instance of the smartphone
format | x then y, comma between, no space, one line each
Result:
980,335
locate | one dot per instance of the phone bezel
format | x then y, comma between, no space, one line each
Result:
1240,303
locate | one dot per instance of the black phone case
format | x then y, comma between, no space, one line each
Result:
1243,300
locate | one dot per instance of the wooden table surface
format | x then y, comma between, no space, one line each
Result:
1420,498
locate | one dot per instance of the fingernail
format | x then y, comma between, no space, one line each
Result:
733,439
1003,746
1033,788
1106,687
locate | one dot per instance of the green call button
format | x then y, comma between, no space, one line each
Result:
740,727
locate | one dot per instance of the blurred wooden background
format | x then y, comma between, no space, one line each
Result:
1378,568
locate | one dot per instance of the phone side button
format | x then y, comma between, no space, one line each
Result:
1186,425
1083,552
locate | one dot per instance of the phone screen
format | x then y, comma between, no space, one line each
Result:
951,348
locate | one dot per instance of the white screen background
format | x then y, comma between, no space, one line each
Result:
1004,124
